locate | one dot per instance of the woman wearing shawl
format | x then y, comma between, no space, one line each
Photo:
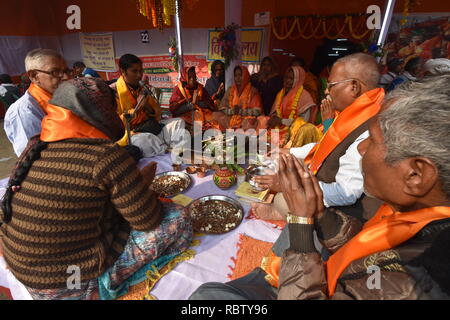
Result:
215,86
292,112
268,83
241,104
148,132
191,102
311,83
77,204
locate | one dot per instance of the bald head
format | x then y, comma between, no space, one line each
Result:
361,66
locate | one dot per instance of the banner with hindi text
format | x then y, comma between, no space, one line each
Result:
161,74
98,51
251,45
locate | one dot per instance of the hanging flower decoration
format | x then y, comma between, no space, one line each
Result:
407,7
159,12
371,47
320,27
173,52
227,43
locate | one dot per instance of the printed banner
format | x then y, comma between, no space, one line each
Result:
424,35
98,51
251,41
161,73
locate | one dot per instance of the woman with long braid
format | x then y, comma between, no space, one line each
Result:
78,200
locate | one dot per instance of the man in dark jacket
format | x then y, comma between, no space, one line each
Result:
402,252
9,92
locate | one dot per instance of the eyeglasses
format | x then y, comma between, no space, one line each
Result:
332,84
56,73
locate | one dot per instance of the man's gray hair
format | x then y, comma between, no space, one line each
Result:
361,66
416,123
34,58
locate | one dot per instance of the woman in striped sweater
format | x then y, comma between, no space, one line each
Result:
77,201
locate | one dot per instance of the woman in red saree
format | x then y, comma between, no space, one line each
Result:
241,104
293,112
191,102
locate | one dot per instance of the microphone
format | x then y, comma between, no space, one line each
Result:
146,88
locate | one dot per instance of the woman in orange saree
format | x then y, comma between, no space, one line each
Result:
241,104
191,102
292,112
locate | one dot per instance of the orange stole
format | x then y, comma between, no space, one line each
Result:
283,112
386,230
127,101
198,114
243,101
364,108
60,123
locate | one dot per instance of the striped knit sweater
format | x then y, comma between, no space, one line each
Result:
77,206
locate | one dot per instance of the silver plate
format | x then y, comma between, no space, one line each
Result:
182,175
229,200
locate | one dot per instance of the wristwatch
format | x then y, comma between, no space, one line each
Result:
299,220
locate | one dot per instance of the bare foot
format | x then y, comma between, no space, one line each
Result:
266,212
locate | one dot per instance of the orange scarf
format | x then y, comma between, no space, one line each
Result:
127,101
242,98
361,110
288,106
200,114
60,123
386,230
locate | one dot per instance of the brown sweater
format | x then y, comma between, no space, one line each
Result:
77,206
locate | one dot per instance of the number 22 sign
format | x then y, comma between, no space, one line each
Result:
145,38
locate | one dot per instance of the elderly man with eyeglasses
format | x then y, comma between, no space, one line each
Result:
46,69
352,91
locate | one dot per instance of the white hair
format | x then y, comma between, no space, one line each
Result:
416,123
361,66
437,66
34,58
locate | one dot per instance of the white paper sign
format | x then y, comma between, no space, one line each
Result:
262,18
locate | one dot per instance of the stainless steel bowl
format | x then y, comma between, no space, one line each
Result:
253,172
180,174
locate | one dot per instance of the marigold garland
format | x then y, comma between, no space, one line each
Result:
407,7
322,29
279,99
173,52
227,42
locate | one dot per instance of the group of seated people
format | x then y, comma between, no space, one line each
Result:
263,101
374,191
399,71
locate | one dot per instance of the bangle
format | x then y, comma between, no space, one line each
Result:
299,220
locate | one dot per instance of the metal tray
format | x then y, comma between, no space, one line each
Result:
222,227
182,175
